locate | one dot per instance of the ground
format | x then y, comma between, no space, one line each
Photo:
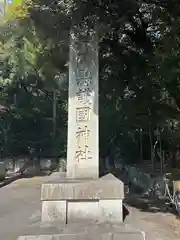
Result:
19,202
20,205
154,217
157,226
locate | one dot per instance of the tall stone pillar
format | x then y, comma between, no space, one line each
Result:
83,118
79,194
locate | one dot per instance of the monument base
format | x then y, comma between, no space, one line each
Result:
82,232
71,200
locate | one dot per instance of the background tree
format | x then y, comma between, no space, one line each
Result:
139,74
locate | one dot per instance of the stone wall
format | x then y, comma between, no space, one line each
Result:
2,171
12,165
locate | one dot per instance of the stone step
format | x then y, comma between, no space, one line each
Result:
81,232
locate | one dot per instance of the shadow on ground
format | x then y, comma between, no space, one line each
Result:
125,212
16,177
145,204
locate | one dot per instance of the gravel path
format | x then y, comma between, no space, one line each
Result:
20,206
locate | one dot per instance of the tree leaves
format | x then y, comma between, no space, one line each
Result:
139,69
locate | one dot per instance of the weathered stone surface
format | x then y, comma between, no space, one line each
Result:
81,236
83,211
55,177
87,232
61,188
83,118
129,236
19,163
45,163
67,200
36,237
2,171
78,236
111,210
62,165
54,211
48,164
9,164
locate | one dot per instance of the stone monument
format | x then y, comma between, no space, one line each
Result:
79,196
83,119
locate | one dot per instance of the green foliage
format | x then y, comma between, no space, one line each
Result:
139,74
27,79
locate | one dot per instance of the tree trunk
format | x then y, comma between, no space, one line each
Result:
151,148
54,113
141,145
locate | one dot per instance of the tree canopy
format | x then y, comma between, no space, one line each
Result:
139,74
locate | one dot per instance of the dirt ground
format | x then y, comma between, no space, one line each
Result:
154,218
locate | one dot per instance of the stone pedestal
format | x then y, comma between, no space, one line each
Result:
72,200
82,232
